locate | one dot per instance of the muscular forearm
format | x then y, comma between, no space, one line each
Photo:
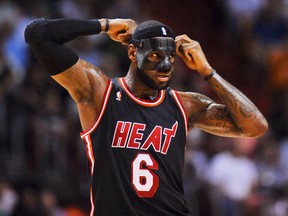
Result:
244,113
47,37
239,116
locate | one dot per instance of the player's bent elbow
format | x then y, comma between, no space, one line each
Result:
262,127
35,31
258,129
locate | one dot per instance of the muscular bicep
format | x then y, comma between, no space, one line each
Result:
209,116
83,81
215,119
86,84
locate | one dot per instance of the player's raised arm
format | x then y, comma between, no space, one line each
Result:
236,117
85,82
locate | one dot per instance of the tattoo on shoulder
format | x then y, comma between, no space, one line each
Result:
202,98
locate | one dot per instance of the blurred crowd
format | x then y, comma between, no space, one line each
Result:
43,167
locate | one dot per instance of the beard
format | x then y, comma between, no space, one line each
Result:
149,82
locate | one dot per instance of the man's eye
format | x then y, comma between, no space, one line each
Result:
154,57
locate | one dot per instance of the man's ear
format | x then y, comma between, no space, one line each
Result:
132,52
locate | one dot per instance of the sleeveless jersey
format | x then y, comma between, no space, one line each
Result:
136,154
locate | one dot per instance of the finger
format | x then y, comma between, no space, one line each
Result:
123,35
132,26
188,56
185,48
124,38
179,43
180,54
126,27
178,47
179,37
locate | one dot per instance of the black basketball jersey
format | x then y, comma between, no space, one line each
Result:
136,154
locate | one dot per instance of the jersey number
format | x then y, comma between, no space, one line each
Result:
144,180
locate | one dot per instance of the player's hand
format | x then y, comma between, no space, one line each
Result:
191,53
120,30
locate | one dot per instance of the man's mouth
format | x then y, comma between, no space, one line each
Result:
163,78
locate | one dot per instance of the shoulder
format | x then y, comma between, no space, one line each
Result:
194,102
85,82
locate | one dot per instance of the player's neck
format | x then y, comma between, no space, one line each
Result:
138,88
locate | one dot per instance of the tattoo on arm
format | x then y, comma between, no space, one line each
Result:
236,117
82,80
217,116
213,117
236,100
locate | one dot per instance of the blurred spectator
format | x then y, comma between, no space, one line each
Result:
269,166
29,203
272,181
283,157
122,8
8,198
7,78
269,51
234,178
196,163
75,211
73,8
242,13
15,48
269,31
50,204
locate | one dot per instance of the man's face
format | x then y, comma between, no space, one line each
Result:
155,61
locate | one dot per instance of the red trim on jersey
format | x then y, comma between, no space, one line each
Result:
103,107
180,104
92,202
91,159
85,135
89,152
147,103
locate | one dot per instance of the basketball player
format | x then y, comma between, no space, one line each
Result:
135,127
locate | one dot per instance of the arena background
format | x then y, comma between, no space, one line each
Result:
42,159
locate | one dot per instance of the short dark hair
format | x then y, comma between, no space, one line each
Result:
150,29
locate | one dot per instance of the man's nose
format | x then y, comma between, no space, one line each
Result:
165,65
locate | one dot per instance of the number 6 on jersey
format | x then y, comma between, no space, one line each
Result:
145,181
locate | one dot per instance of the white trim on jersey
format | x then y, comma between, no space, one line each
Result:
140,101
179,103
103,107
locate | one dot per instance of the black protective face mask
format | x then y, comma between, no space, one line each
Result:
156,54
